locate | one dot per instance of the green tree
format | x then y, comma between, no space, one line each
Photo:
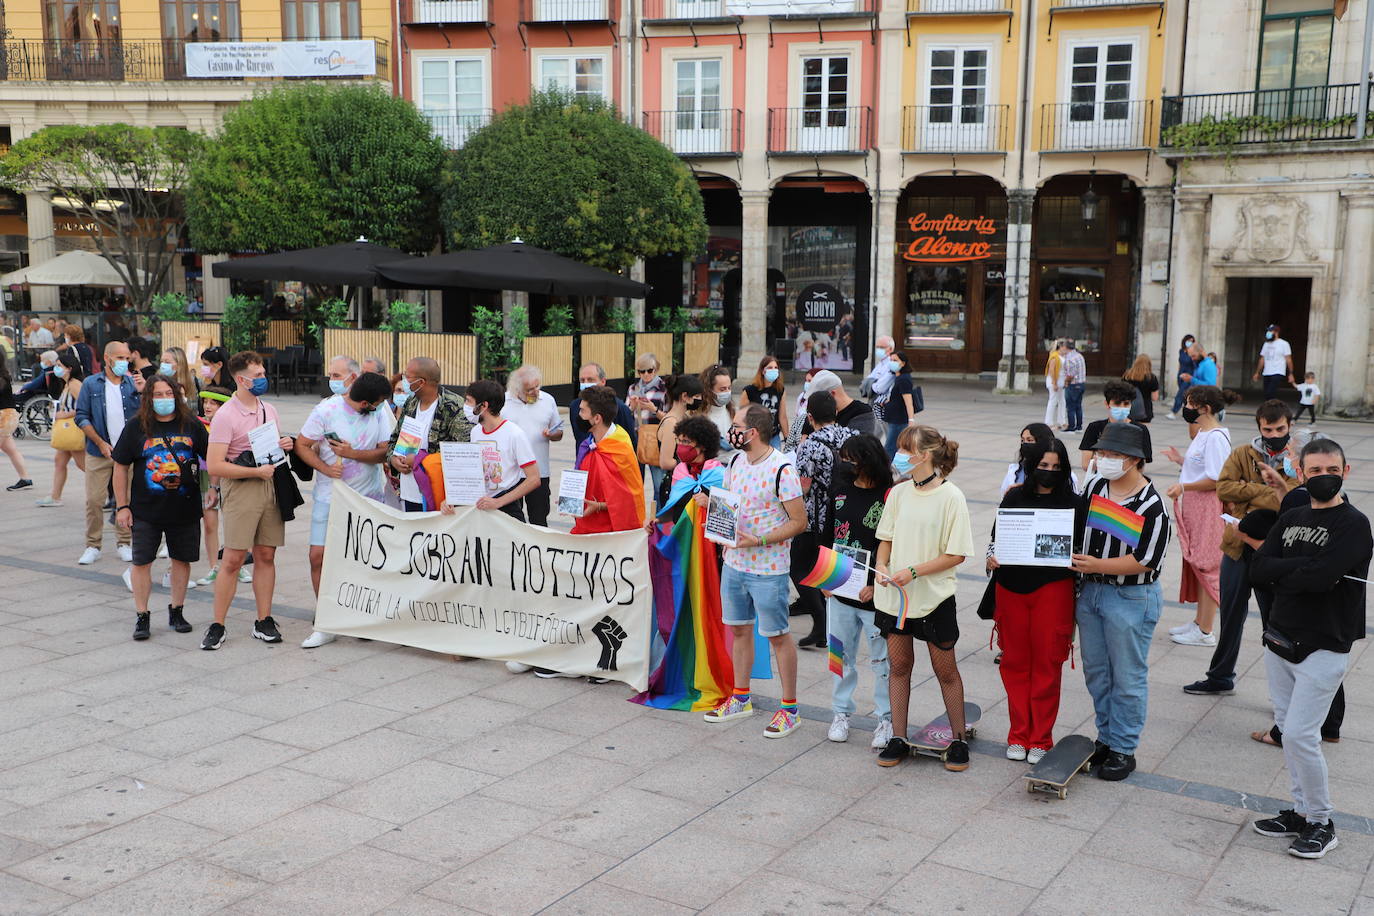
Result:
310,164
125,185
567,174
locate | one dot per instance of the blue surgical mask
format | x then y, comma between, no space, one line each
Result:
338,385
770,375
400,399
121,367
583,386
1288,467
164,407
902,462
1119,414
880,352
1268,335
895,365
405,385
60,371
259,386
166,369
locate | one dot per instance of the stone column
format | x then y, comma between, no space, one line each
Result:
216,288
42,246
1154,299
884,273
1014,375
1186,288
755,297
1348,389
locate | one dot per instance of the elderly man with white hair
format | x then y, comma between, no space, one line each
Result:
877,385
535,411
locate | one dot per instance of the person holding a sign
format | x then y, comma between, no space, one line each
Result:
1125,536
509,468
431,415
1034,596
248,501
615,484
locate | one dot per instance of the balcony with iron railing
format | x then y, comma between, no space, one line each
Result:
1090,4
561,11
443,12
687,11
454,127
136,60
1125,124
710,132
956,7
955,128
819,131
1221,120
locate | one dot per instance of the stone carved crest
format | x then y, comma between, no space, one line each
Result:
1270,226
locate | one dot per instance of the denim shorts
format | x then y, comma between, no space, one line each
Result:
744,596
319,522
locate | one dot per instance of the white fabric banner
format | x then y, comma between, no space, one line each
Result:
234,59
481,584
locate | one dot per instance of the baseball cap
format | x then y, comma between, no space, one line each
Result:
825,380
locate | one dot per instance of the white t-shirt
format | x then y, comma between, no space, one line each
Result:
1275,354
42,338
410,491
506,452
360,431
1206,455
114,409
1308,393
534,419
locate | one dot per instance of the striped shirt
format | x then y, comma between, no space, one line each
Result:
1154,538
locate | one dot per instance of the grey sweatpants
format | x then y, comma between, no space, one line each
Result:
1301,695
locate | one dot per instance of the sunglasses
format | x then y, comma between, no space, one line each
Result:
645,371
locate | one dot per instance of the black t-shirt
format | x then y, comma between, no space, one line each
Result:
1094,431
894,411
164,471
858,416
1025,579
856,513
1146,386
768,397
148,372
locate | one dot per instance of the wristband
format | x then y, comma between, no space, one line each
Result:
122,508
763,541
912,570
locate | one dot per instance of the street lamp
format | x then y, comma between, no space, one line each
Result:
1088,200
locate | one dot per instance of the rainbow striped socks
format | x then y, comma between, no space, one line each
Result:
788,706
742,694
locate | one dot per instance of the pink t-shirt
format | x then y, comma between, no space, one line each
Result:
232,422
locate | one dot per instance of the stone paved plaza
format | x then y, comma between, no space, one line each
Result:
151,778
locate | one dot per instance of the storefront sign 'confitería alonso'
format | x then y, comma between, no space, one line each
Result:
949,238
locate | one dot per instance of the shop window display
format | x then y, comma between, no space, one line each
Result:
1071,305
704,286
937,306
818,265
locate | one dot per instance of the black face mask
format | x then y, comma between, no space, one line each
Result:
1190,414
1275,443
1048,478
694,405
1324,487
1026,449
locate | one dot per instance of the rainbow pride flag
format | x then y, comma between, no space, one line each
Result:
832,570
836,656
1116,520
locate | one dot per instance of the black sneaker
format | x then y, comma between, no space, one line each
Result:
22,484
1286,823
141,626
214,636
896,751
266,630
176,621
1116,767
1100,752
956,756
1316,841
1209,688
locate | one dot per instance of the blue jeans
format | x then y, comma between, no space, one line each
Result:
893,431
847,623
1182,393
1073,404
1115,625
744,596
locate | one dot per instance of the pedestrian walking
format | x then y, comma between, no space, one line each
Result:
107,401
1141,375
1075,382
65,388
1056,414
9,422
1308,396
1186,367
1275,362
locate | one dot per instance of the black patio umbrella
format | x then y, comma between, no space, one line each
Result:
345,264
514,266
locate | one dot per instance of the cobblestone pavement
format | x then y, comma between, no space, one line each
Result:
364,777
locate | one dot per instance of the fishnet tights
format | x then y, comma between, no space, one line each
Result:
901,659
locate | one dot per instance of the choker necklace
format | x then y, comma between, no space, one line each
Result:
922,483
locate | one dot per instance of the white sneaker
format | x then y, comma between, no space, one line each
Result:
90,555
128,577
1016,752
1194,636
1035,755
882,734
517,667
1182,628
167,579
125,553
208,579
162,552
317,639
1171,416
839,728
245,575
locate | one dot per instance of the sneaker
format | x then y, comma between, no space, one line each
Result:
109,505
1100,752
1193,636
128,577
209,578
47,502
1209,688
1181,628
166,578
1286,823
956,756
22,484
597,679
1016,752
1171,415
176,620
839,728
162,552
141,631
266,630
1116,767
896,751
245,574
517,667
730,709
125,553
1316,841
882,734
1035,755
214,637
89,556
783,724
317,639
550,674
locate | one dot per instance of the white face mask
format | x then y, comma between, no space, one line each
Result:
722,398
471,415
1111,468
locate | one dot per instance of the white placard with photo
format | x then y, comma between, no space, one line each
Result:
722,517
265,440
858,579
572,493
1035,537
463,483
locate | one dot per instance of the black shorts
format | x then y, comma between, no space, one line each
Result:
183,542
940,626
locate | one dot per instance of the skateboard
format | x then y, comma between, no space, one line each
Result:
1057,769
934,739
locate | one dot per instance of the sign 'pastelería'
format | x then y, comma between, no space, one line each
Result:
479,583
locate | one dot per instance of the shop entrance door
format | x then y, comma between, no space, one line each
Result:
1252,304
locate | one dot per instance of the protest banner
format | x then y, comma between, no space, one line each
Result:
482,584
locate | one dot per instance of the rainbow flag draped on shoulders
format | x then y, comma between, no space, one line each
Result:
614,478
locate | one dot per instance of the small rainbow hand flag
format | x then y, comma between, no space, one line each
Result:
836,656
1116,520
831,570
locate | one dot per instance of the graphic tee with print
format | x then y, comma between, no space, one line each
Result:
164,471
506,450
1275,354
857,512
762,488
358,430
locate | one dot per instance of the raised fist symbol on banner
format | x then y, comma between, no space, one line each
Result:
612,636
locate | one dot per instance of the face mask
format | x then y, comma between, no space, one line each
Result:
532,398
164,407
400,399
338,385
1026,449
686,453
846,468
881,352
770,375
1047,478
121,367
1268,335
166,369
1274,443
739,438
471,415
206,372
894,365
722,398
1324,487
1111,468
694,405
1288,467
1188,343
405,386
902,462
1190,414
1120,414
583,386
806,387
259,386
59,371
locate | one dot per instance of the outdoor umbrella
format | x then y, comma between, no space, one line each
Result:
75,268
345,264
514,266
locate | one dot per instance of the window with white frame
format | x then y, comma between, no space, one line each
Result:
697,87
584,77
453,96
1101,80
956,113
